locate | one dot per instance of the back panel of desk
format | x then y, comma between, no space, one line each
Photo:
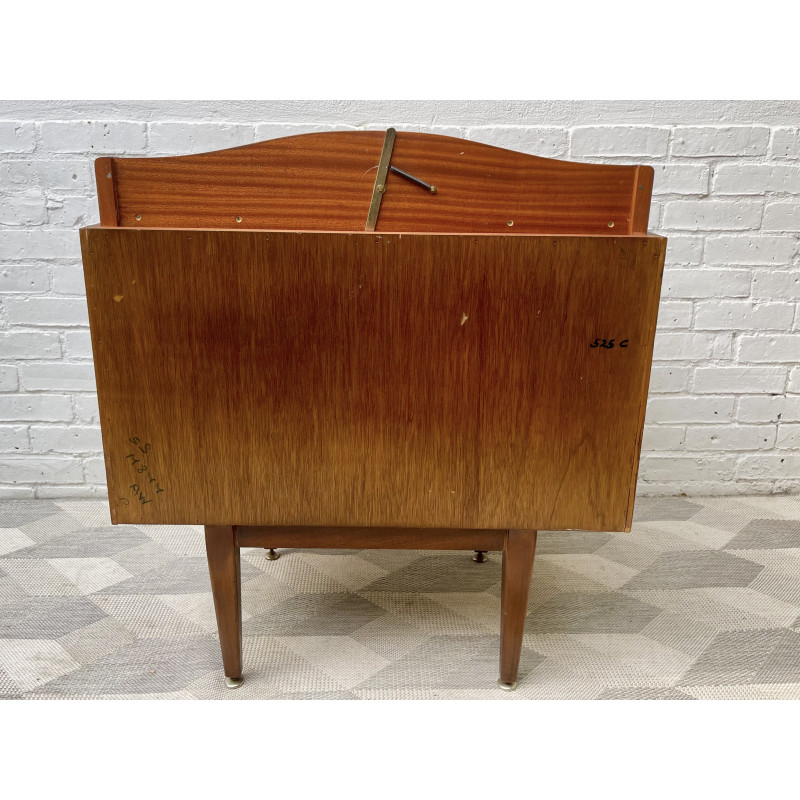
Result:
354,379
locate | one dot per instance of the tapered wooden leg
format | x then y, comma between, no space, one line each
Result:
518,553
226,584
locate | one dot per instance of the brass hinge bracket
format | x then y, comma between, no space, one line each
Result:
380,180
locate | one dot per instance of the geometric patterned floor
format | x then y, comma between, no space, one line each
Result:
700,600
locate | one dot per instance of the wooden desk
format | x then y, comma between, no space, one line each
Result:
474,369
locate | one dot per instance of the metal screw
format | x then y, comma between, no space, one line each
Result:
381,188
641,187
238,219
138,217
610,224
108,174
510,223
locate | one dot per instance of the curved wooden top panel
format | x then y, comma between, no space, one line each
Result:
324,182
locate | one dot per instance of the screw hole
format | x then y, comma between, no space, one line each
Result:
138,217
610,224
238,219
510,223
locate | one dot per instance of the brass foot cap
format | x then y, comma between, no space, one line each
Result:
271,555
233,683
506,686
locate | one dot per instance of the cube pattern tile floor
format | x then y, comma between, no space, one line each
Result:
700,600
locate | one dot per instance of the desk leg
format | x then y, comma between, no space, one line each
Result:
518,553
226,583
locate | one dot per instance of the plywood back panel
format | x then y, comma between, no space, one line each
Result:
324,181
395,380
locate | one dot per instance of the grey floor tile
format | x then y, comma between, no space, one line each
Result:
591,612
570,541
681,633
181,576
337,695
392,560
14,513
144,558
39,577
733,657
86,543
98,639
783,586
704,622
314,615
732,520
783,662
145,666
147,616
46,617
9,689
51,527
448,662
628,553
767,534
10,591
652,509
439,573
644,693
690,569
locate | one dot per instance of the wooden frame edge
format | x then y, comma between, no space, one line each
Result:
645,394
369,538
106,178
642,195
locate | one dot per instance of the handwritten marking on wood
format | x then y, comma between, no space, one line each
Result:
608,344
143,473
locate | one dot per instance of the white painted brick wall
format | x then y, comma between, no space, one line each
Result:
739,140
65,439
181,138
779,347
789,436
543,141
713,215
718,380
786,143
748,179
698,283
17,137
94,137
724,409
712,315
781,217
639,141
9,378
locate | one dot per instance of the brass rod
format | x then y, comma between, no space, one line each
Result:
417,181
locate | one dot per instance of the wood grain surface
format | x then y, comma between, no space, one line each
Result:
104,174
367,380
518,555
370,538
324,181
225,571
